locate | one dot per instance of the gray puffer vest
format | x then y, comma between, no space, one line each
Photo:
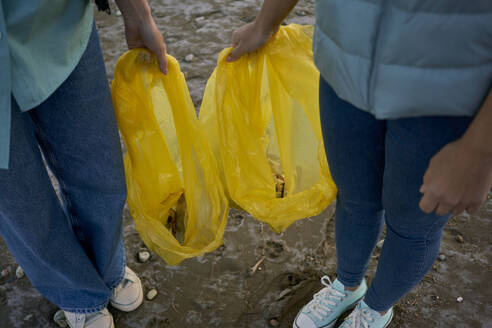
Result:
406,58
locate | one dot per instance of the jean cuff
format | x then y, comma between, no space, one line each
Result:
87,310
354,282
371,300
121,276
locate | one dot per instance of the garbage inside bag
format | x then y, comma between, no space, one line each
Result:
177,218
261,116
175,194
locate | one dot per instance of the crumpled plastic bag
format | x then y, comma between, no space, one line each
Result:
167,157
261,116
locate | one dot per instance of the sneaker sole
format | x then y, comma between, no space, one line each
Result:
130,307
335,321
389,321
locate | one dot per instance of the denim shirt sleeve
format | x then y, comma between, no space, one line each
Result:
5,90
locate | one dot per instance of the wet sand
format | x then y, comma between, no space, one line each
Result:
218,289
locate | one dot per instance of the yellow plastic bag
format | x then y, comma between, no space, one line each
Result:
167,155
261,116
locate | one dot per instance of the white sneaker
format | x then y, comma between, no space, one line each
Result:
102,319
128,295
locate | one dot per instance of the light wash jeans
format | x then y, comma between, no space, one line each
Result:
71,251
378,166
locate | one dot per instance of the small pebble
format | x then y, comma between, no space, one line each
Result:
274,323
152,294
442,257
459,239
380,243
189,58
459,299
28,317
5,273
19,273
143,256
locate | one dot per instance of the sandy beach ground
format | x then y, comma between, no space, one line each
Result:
218,289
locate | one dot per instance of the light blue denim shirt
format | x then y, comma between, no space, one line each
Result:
41,42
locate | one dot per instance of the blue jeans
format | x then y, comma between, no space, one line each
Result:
71,251
378,166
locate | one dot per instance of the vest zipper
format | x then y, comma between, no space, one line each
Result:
375,59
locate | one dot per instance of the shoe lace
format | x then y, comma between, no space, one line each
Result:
359,318
323,301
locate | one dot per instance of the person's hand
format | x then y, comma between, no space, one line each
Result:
458,178
145,34
247,39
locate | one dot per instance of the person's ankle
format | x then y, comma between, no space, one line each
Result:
380,312
351,289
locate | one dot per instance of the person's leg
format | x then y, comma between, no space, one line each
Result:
413,237
76,129
354,143
37,231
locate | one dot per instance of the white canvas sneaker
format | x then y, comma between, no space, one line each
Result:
102,319
128,295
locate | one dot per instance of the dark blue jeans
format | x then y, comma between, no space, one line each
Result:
378,166
71,251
